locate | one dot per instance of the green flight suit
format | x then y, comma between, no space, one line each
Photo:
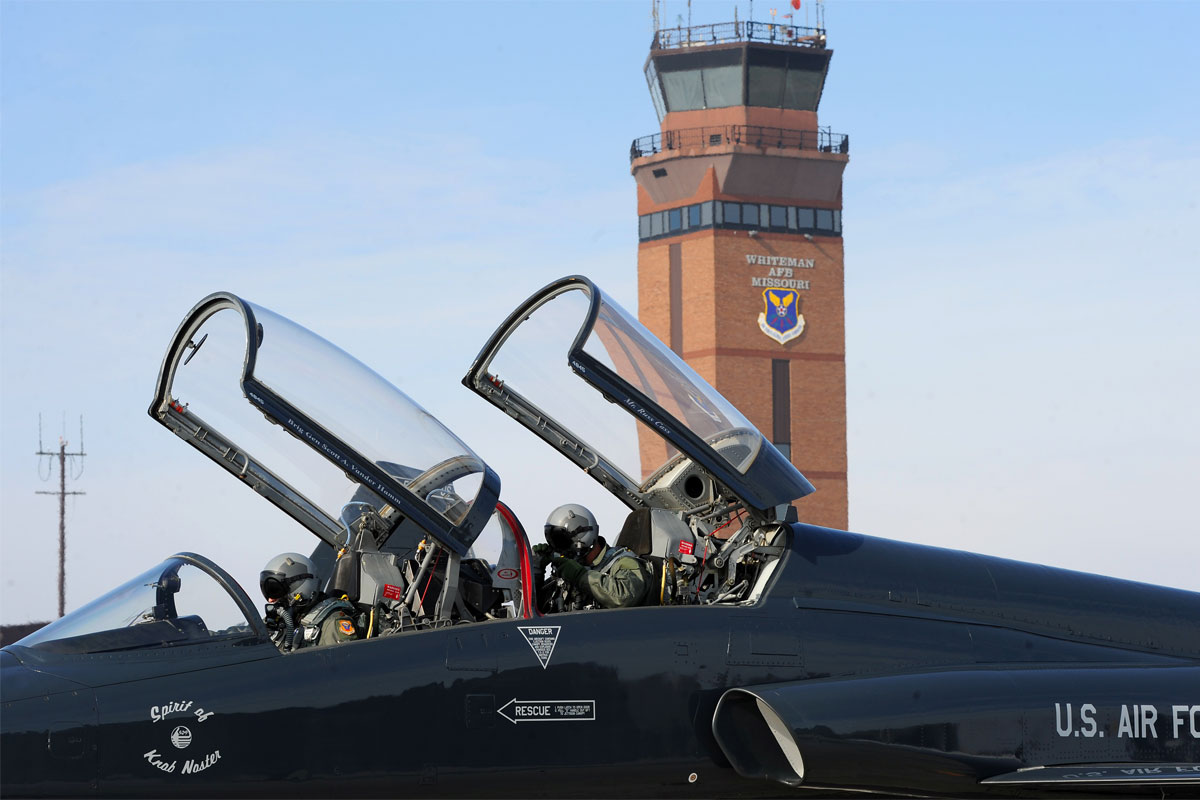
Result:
618,579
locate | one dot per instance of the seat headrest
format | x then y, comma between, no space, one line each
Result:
636,532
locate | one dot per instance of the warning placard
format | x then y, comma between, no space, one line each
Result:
542,639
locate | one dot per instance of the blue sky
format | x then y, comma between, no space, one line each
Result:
1023,359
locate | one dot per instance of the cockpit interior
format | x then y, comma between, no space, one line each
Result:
410,526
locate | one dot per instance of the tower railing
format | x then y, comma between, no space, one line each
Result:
744,31
822,140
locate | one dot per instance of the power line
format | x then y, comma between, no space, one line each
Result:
62,498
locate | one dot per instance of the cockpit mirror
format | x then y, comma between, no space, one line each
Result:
194,347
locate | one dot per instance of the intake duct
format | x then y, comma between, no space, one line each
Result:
948,730
756,740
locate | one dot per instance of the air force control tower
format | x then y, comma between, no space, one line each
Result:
740,261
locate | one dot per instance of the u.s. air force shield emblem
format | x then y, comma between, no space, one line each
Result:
781,318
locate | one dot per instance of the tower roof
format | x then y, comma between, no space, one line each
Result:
730,32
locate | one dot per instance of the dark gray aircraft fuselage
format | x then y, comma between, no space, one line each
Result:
778,658
900,668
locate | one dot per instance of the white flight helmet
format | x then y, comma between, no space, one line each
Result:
290,579
572,529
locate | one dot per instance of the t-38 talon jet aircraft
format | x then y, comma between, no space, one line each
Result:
774,658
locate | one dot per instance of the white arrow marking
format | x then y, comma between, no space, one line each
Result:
548,711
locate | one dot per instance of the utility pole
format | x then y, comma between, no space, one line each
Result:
62,502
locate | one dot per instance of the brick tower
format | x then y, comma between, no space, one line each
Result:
740,260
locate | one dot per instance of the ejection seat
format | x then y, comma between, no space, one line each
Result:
489,581
404,582
657,535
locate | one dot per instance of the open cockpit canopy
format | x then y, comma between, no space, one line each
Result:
583,374
336,435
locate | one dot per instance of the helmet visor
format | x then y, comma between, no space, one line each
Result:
276,585
559,538
563,540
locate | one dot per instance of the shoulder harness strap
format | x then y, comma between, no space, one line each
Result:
611,558
317,614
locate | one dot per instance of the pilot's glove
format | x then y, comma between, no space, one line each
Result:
570,570
541,556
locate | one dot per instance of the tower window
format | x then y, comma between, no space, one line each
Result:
720,214
766,85
683,90
778,217
723,84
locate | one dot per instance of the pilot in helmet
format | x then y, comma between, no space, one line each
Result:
605,576
294,614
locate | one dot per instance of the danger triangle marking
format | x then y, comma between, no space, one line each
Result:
542,639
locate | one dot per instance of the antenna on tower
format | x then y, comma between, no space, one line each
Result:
62,493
